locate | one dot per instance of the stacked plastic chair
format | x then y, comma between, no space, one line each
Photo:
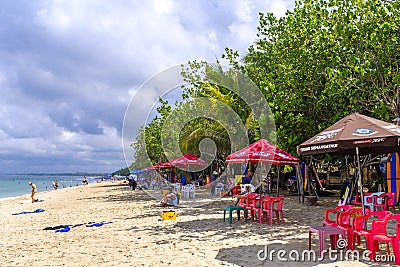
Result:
330,222
277,208
267,209
344,222
379,234
369,201
360,225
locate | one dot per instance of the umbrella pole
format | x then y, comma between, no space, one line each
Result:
359,177
299,185
277,181
261,172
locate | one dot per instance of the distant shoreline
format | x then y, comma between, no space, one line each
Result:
59,174
17,185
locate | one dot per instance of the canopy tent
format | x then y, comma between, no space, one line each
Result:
370,135
354,134
148,168
263,151
189,162
166,165
163,165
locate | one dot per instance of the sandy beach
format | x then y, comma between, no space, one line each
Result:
135,235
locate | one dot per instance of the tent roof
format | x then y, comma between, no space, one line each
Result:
370,135
262,151
188,160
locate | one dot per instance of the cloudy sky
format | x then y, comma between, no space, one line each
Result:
68,70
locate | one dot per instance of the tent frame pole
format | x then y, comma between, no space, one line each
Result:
277,180
359,177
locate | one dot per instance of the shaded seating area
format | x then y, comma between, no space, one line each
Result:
260,208
376,227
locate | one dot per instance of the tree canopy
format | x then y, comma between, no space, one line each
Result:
320,62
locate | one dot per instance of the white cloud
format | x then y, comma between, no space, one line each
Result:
68,70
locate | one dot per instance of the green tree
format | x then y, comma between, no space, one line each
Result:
324,60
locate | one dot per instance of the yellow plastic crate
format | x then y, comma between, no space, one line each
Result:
168,215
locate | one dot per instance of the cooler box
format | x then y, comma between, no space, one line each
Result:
168,215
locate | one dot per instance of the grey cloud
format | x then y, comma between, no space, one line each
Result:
67,69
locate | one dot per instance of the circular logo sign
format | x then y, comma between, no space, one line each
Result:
363,131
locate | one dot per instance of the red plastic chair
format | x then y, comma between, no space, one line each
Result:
360,225
277,208
267,209
256,207
235,190
369,200
385,201
345,222
335,211
244,200
357,200
390,200
379,234
380,202
251,198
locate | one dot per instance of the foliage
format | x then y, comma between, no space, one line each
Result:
122,172
317,64
325,60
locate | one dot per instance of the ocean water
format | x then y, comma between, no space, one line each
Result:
13,185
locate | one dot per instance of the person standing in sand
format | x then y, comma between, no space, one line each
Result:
34,190
85,182
55,184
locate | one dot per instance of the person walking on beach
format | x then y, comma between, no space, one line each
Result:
34,190
214,177
55,184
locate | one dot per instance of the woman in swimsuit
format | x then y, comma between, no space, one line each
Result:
34,190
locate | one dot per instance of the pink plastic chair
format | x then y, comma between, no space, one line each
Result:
390,200
277,208
243,201
379,234
336,211
357,200
345,222
379,202
251,198
267,209
256,207
360,225
369,200
385,201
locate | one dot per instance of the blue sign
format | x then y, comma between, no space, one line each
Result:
363,131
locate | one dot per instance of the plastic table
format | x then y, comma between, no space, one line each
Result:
333,232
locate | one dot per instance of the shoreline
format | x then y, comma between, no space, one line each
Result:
28,189
135,235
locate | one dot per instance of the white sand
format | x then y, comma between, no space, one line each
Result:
137,236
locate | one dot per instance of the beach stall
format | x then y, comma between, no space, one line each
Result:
393,175
263,152
357,135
